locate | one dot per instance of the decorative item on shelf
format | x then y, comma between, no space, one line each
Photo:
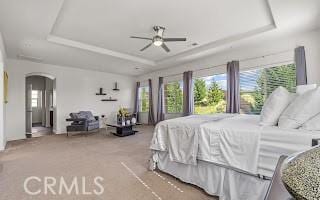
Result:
300,174
116,87
101,92
109,99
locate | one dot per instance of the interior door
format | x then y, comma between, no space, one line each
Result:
29,108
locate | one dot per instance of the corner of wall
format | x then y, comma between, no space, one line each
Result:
3,57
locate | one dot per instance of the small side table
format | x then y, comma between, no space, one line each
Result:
103,122
123,131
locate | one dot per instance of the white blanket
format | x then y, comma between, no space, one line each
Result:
233,142
180,136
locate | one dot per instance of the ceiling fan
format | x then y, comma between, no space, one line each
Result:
158,40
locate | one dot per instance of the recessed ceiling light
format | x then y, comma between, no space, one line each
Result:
137,68
194,44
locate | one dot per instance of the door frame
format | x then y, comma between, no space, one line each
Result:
54,79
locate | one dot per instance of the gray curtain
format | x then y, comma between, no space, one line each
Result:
187,93
233,87
160,108
301,66
136,101
151,120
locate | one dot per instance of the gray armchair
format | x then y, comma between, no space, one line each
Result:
82,121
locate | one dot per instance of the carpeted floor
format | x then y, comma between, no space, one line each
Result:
121,162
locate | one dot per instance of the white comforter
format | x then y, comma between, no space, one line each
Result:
235,141
180,136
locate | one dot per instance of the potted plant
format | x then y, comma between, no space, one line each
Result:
123,115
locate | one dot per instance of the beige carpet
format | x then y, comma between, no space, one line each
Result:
121,162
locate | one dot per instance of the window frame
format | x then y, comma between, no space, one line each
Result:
140,99
35,94
262,67
203,77
165,97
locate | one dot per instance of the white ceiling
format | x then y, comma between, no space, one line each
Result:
95,34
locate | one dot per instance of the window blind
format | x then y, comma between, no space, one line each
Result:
257,84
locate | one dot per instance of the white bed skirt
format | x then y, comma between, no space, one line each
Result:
215,180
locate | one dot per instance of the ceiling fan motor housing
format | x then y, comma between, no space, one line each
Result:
159,30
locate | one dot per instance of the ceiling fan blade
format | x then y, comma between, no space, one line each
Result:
174,39
143,38
164,46
144,48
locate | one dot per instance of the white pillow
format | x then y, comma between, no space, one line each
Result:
301,89
301,110
313,124
276,103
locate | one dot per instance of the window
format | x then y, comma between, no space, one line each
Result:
144,99
35,94
173,97
210,94
257,84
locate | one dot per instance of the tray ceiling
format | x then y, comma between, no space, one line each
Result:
95,35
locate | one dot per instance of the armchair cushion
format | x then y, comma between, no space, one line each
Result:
88,115
74,115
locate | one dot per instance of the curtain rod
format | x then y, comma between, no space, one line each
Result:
242,60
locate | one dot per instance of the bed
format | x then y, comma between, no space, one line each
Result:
228,155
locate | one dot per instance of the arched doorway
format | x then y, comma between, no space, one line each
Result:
40,104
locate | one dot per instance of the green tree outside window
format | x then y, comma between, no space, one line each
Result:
173,94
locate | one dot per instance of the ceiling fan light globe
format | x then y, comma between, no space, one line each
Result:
157,41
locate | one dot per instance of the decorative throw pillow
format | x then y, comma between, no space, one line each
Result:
74,115
313,124
276,103
301,89
303,108
88,115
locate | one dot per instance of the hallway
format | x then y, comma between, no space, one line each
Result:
38,130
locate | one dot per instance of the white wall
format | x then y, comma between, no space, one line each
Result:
310,40
75,91
2,109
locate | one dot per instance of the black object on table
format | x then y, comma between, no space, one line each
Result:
125,130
